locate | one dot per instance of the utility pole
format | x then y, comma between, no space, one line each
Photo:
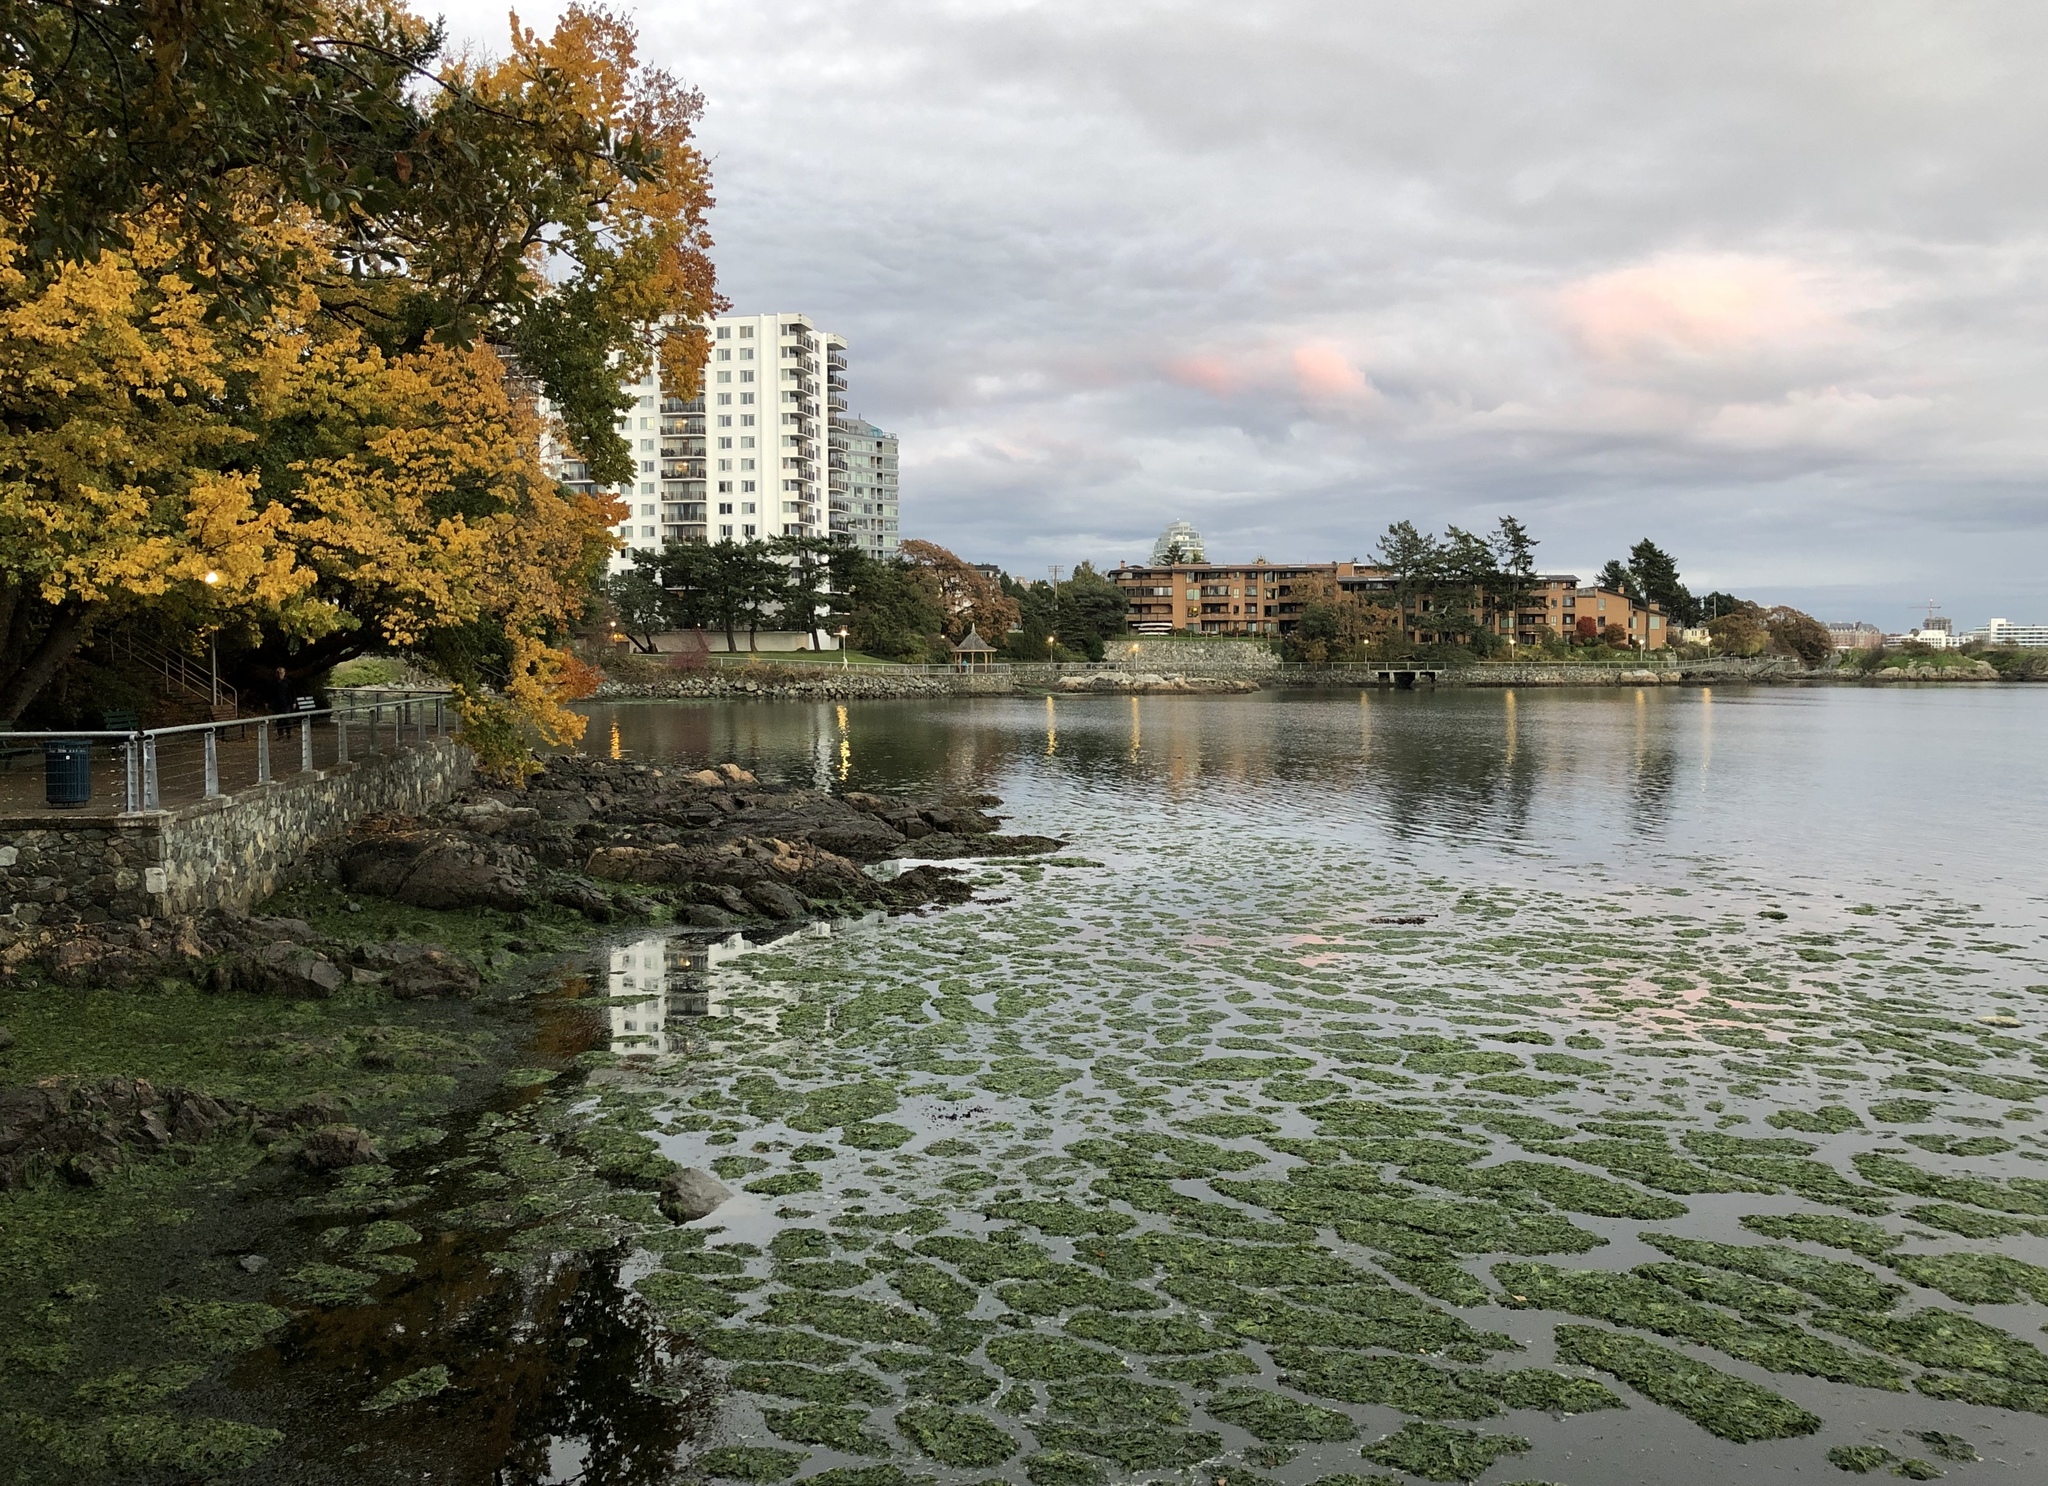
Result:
1055,571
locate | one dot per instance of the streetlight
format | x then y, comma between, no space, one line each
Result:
213,651
842,645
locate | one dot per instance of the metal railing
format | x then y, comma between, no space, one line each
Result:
151,769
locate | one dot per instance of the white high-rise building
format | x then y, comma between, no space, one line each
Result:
864,487
749,458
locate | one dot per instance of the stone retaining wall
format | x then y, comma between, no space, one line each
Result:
1170,657
228,852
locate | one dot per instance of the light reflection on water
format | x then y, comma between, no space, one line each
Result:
1854,791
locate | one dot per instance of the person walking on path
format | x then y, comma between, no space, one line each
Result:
283,698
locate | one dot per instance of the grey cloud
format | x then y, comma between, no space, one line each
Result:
1761,281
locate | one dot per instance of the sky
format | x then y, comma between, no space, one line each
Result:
1761,282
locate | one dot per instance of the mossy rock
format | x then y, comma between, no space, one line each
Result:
1111,1401
813,1385
839,1426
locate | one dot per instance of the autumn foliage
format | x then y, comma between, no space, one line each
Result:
310,429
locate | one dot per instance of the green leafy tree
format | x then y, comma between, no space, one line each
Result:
1740,630
890,609
1795,633
641,605
1089,611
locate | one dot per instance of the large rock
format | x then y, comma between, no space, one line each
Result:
283,968
438,869
689,1194
331,1147
775,900
434,975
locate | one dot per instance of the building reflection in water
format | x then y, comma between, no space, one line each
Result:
659,987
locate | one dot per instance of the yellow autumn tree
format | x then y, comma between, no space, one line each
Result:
312,425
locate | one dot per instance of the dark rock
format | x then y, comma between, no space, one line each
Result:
432,975
958,818
6,1039
332,1147
685,1196
431,868
704,916
862,838
775,900
731,899
81,1131
281,969
585,898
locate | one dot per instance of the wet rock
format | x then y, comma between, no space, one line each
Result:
689,1194
710,778
861,838
585,898
775,900
719,895
432,868
704,916
252,1264
332,1147
82,1130
432,975
6,1039
736,774
489,814
283,969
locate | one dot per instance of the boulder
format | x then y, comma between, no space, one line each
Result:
775,900
283,968
6,1039
438,869
736,775
331,1147
434,975
689,1194
704,916
709,778
862,838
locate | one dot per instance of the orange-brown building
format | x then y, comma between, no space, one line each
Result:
1262,598
1253,598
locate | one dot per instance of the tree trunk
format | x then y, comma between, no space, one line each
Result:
60,640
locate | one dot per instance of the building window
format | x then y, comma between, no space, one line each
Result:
647,486
746,376
747,421
724,421
725,332
725,376
746,332
746,353
749,530
725,487
725,509
723,354
725,399
726,532
746,485
747,508
746,398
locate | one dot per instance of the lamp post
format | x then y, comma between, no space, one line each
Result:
842,645
213,650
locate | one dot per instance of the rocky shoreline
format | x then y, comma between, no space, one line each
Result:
176,1095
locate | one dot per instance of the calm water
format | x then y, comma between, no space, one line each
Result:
1852,792
1308,974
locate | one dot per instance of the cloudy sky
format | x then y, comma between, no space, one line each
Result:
1761,282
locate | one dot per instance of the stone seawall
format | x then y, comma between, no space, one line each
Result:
824,684
228,852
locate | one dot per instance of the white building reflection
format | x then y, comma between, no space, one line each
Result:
659,987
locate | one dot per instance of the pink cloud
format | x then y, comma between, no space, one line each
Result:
1697,304
1211,374
1324,372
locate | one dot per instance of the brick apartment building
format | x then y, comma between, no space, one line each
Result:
1262,598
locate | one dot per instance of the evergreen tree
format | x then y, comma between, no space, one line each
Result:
1657,576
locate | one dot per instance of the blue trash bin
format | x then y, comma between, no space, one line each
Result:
67,772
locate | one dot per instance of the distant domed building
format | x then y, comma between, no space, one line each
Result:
1180,542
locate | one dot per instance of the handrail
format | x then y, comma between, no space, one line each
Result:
139,745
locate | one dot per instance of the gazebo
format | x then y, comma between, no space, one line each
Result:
972,653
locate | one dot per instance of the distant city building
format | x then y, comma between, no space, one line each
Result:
1182,538
988,570
1856,635
2003,634
748,459
864,485
1935,637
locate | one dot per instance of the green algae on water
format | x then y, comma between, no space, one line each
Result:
1723,1405
953,1438
751,1463
1438,1453
1049,1358
1274,1418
